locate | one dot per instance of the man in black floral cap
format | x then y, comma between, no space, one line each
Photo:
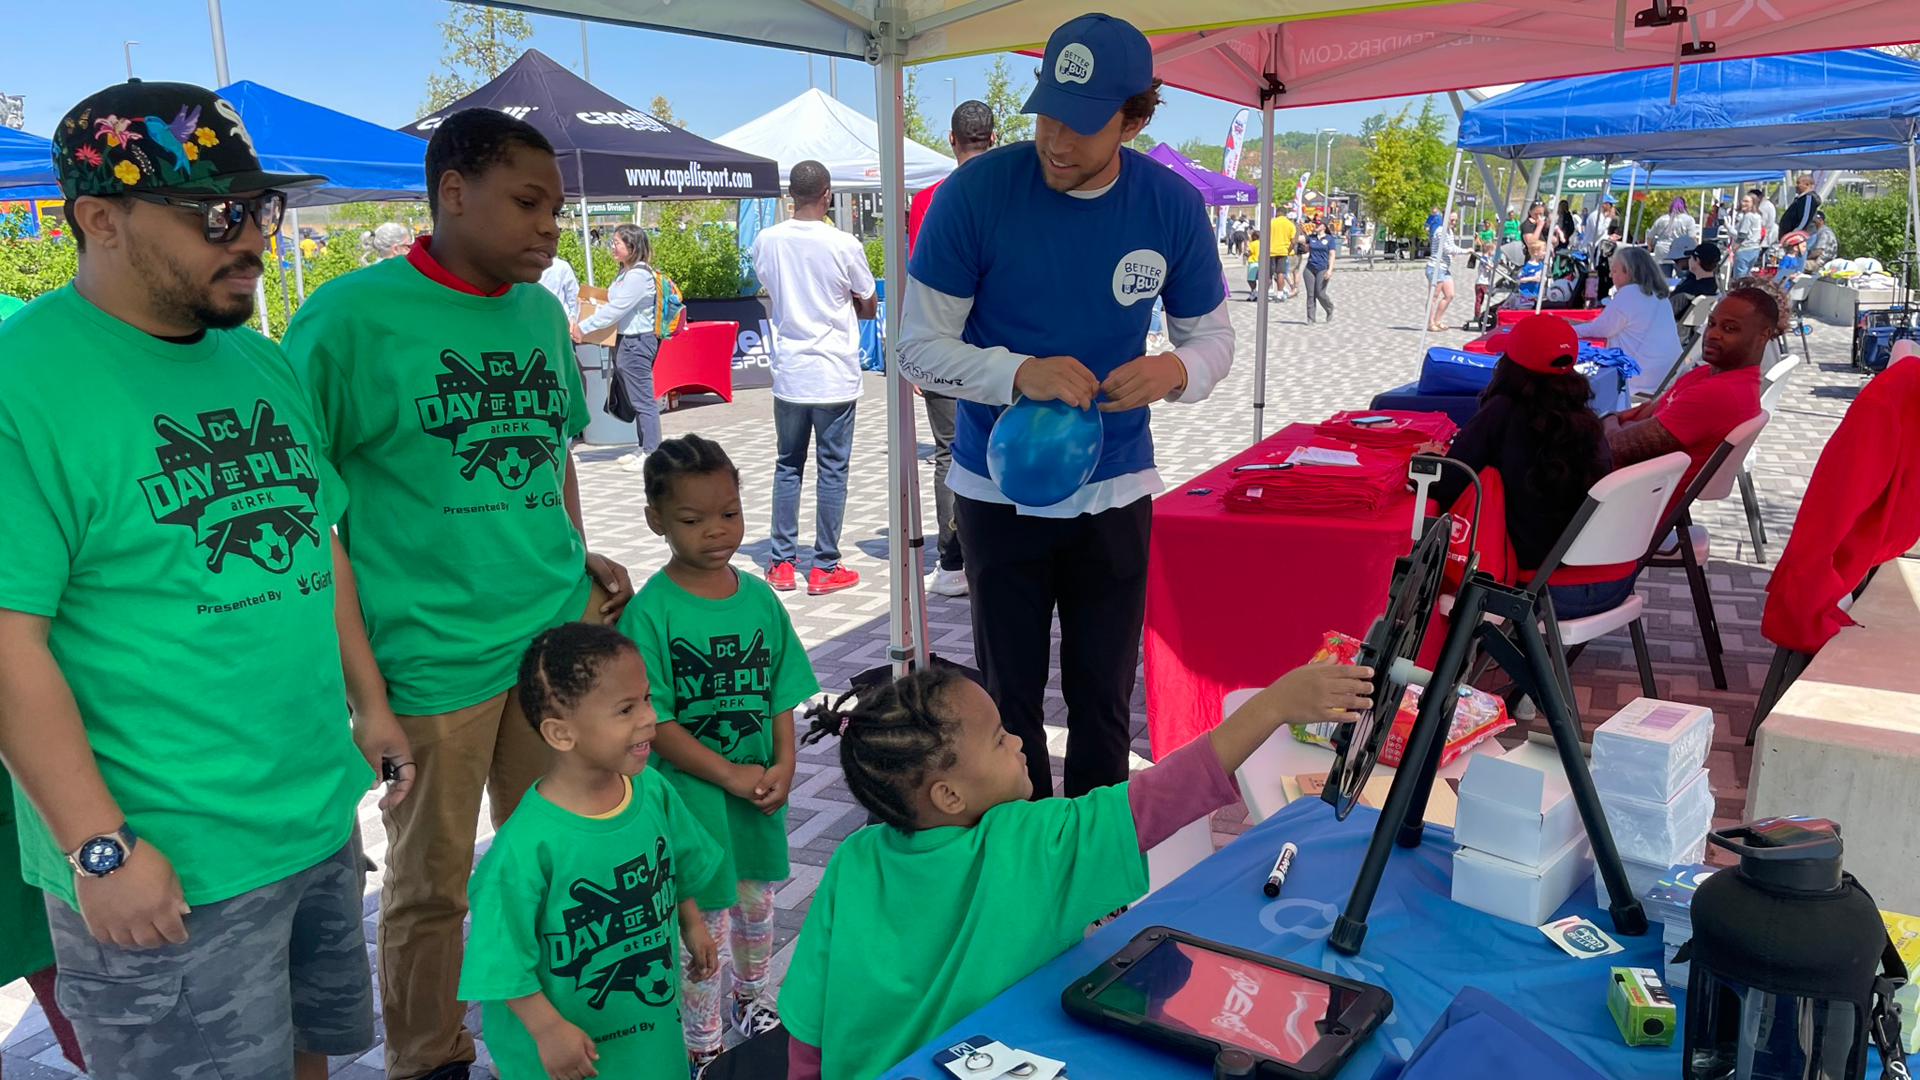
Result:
172,701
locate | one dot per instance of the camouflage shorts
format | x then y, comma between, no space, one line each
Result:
276,969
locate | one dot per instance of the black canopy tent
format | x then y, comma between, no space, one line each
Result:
609,149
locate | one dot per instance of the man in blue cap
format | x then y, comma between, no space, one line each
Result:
1035,275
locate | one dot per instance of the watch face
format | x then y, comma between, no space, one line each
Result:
102,855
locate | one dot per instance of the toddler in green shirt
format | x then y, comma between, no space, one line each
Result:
726,670
968,886
573,948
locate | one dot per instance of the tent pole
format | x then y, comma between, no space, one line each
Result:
907,621
1262,281
260,304
299,260
1913,196
586,242
1553,215
1433,287
1633,174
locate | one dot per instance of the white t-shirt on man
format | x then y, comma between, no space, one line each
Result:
812,271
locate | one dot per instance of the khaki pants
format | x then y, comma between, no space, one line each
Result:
486,747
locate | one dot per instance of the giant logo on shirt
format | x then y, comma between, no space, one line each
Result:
721,695
244,487
503,414
617,937
1138,276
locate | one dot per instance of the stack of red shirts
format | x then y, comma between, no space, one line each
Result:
1402,432
1362,490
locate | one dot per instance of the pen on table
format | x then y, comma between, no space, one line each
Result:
1280,867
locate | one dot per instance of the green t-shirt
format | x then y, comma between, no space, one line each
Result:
448,414
24,947
581,910
9,305
1510,230
168,510
938,922
723,669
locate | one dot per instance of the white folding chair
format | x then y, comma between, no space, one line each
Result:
1685,546
1614,526
1692,323
1773,385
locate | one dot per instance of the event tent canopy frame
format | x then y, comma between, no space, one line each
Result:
821,128
607,148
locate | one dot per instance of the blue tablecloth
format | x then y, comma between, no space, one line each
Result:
1461,407
1421,947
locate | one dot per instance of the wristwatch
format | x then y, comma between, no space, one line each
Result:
101,855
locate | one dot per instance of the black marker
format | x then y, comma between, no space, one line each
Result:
1280,867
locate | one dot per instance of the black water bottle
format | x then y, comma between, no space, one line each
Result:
1786,952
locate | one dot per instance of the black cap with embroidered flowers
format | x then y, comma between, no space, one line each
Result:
161,137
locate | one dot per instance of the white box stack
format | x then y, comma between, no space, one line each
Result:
1523,850
1649,766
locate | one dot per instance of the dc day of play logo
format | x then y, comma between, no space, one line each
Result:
503,414
245,488
1074,65
1138,276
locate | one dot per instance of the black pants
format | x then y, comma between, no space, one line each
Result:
940,416
1094,568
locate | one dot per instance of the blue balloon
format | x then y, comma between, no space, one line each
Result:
1041,452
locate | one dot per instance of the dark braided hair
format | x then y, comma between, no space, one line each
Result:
562,665
892,740
688,455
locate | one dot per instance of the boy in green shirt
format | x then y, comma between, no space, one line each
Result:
172,702
576,901
447,390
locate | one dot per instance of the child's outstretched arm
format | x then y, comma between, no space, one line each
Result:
1194,780
566,1052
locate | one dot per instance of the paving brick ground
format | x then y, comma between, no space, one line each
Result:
1371,345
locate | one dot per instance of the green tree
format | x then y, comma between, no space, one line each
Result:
1143,142
1405,171
662,110
477,43
1006,99
1205,154
1874,228
917,128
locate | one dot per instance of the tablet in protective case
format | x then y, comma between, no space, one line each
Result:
1200,997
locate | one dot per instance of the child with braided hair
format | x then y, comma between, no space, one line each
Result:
727,670
573,952
967,886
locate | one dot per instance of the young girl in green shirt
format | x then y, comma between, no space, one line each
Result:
968,886
727,670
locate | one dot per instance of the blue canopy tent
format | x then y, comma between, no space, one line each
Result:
1851,108
362,161
26,166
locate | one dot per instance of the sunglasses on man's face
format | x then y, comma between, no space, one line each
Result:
224,217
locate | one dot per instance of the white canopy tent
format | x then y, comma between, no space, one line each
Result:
1263,53
821,128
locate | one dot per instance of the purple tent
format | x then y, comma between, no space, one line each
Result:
1217,189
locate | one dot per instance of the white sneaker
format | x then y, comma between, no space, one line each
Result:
633,463
625,458
948,583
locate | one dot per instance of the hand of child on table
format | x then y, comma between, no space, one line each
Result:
743,781
1316,693
771,793
703,956
566,1052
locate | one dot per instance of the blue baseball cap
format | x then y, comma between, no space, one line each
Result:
1093,65
1608,198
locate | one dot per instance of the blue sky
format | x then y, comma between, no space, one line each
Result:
371,58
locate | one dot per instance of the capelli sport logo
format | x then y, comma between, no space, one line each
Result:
1138,276
503,415
1074,64
245,488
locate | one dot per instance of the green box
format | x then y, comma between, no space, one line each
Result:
1640,1006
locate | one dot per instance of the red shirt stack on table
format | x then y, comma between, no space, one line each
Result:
1355,464
1237,599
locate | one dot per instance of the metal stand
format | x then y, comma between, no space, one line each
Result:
1525,658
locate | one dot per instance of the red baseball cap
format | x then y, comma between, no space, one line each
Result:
1543,343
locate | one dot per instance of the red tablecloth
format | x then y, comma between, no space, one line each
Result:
1236,600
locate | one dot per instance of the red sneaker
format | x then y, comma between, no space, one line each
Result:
821,582
780,576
